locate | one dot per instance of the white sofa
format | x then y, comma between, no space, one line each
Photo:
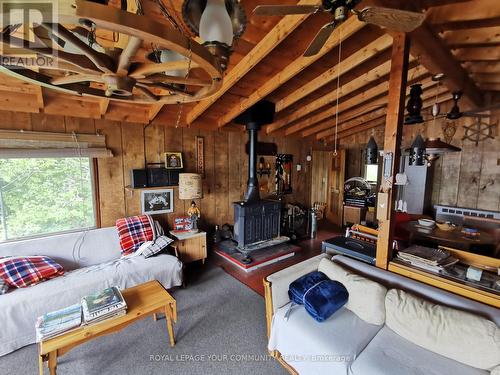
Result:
92,262
391,325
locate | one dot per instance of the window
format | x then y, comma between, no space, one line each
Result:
371,172
40,196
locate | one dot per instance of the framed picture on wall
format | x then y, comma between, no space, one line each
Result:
173,160
284,173
157,201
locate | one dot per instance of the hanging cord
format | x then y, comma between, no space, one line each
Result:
338,93
186,77
79,242
435,102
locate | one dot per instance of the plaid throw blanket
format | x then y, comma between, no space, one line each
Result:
21,272
134,231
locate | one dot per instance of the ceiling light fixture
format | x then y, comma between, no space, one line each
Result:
217,23
414,105
76,56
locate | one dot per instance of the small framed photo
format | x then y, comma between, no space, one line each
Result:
158,201
173,160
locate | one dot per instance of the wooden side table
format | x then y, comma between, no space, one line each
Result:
191,246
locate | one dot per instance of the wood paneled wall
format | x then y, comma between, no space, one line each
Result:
470,178
226,163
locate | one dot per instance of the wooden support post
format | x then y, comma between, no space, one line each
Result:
392,144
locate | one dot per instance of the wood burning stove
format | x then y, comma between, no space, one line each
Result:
256,220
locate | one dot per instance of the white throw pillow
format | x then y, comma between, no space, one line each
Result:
366,297
459,335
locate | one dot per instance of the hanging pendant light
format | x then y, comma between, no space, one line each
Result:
217,23
371,152
417,152
414,105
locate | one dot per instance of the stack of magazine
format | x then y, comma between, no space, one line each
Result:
427,258
103,305
95,308
57,322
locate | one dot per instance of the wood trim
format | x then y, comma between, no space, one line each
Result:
269,304
97,199
277,355
392,141
261,50
449,285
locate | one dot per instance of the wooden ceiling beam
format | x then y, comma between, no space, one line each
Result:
437,58
348,28
490,86
370,106
428,100
354,102
103,106
356,128
481,13
477,54
481,36
349,63
482,66
154,109
278,34
331,97
487,77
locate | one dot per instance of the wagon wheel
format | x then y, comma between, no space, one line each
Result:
64,59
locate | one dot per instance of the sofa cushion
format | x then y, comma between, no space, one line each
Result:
4,287
366,297
462,336
21,272
20,308
134,231
319,348
390,354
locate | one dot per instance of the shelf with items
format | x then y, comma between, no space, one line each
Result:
439,281
471,275
130,188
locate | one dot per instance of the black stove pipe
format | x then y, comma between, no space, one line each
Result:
252,194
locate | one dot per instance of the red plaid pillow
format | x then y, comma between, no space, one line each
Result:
133,232
20,272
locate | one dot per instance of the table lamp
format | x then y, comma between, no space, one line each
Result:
191,187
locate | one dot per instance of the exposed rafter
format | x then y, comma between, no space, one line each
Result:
347,29
261,50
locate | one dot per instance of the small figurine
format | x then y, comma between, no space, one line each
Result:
194,214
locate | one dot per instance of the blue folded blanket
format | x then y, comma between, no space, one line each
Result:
320,296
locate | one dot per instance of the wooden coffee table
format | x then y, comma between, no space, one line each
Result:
142,300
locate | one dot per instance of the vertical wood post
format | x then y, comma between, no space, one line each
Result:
392,144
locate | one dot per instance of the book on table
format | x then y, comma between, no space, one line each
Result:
58,322
103,305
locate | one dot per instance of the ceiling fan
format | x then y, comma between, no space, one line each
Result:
455,113
394,19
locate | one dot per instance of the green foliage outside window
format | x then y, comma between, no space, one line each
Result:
43,196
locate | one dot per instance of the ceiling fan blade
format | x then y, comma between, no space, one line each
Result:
320,39
283,10
394,19
475,115
474,112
